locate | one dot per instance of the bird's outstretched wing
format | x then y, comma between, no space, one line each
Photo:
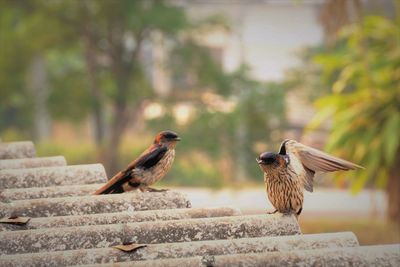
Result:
146,160
314,160
317,160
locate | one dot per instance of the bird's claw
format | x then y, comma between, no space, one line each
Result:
149,189
272,212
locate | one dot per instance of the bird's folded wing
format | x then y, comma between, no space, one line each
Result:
149,158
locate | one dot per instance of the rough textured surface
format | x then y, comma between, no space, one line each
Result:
100,236
70,228
121,217
6,195
384,255
180,250
17,150
52,176
387,255
183,262
94,204
32,162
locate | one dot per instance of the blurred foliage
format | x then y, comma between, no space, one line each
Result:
12,134
192,66
363,70
25,34
77,152
97,57
69,98
306,78
194,169
73,153
233,136
14,105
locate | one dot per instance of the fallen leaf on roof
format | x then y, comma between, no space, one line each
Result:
130,247
15,220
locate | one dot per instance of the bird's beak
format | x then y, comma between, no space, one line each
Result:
259,161
177,139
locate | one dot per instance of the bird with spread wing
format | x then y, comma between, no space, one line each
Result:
286,173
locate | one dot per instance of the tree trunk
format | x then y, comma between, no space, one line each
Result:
116,132
240,157
97,109
122,69
335,14
37,82
123,117
393,191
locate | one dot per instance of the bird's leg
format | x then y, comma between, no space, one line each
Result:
272,212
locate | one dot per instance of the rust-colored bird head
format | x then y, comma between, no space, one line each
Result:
168,138
269,160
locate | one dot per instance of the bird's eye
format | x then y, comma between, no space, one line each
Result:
269,160
169,135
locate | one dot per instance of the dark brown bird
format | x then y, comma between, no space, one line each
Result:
292,169
150,167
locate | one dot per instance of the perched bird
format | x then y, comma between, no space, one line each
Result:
147,169
292,169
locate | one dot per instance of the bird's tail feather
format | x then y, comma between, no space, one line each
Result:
113,186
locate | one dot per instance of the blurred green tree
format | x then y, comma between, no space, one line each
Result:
27,37
116,31
94,56
234,120
363,71
13,58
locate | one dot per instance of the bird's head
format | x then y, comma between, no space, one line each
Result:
269,160
168,138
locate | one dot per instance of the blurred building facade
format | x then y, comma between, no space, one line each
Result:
263,34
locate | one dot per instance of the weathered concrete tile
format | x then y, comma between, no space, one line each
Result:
182,250
100,236
92,204
52,176
383,255
122,217
16,150
32,162
7,195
